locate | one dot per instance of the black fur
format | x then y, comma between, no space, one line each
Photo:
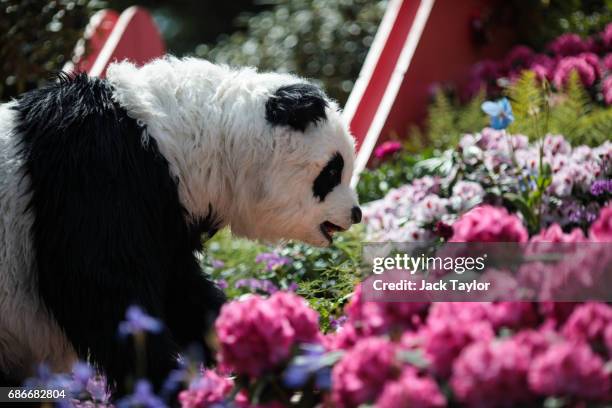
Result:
296,106
329,177
109,230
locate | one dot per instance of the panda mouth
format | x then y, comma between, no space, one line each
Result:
329,228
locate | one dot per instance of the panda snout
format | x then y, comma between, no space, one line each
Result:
356,215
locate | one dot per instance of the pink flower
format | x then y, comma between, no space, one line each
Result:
570,369
387,149
556,312
556,145
484,75
606,37
303,320
498,315
383,317
206,391
555,234
242,401
492,373
601,230
568,44
518,57
411,390
513,315
607,90
442,339
361,374
374,318
535,341
543,66
254,336
569,64
488,224
589,323
593,60
607,62
345,338
353,307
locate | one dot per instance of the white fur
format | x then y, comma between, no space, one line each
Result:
209,122
28,335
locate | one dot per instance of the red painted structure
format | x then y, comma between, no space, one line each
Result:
419,43
112,37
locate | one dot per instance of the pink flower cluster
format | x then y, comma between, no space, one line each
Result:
462,347
488,224
208,389
590,58
256,334
360,376
404,354
387,148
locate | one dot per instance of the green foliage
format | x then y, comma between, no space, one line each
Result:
400,170
448,120
186,24
537,111
326,40
528,105
325,276
37,38
537,22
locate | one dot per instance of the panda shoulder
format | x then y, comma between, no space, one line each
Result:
72,101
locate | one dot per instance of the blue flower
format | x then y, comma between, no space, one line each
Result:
98,389
174,381
137,321
82,372
314,363
143,397
499,112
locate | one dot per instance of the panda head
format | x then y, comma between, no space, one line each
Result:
302,188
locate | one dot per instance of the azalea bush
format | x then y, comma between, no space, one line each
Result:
567,85
591,57
273,353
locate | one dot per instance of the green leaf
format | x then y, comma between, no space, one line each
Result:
413,357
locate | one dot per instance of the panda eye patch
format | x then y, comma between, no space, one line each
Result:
330,177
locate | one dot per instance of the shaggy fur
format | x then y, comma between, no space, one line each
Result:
107,186
210,124
296,106
108,229
28,334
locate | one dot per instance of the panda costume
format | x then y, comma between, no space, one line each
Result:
107,187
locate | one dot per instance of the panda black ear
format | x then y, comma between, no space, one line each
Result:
296,106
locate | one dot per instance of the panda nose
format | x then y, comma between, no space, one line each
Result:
356,215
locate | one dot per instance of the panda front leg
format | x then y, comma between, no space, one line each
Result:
192,305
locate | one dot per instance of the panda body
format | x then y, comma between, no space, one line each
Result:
107,186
